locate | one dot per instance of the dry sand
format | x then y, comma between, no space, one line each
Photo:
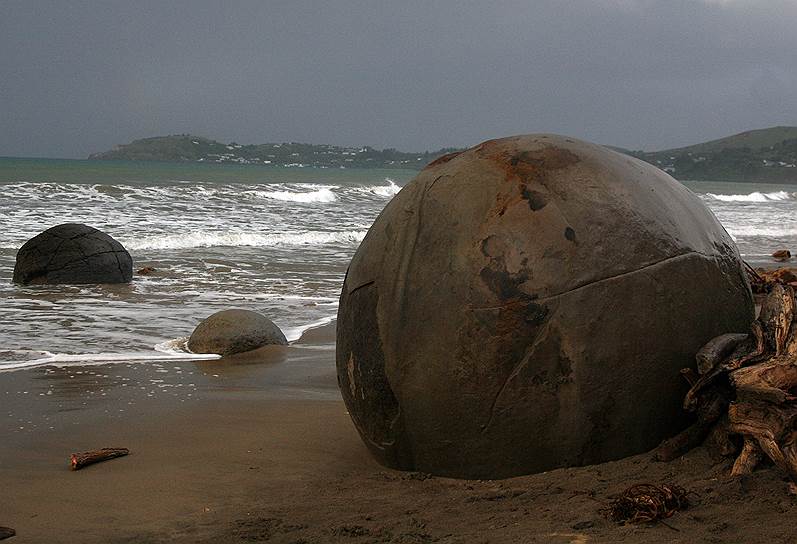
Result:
250,462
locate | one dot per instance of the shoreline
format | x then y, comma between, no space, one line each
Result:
321,331
263,450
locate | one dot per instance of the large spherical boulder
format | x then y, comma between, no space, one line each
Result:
234,331
527,304
72,253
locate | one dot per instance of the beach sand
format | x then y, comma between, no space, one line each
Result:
264,451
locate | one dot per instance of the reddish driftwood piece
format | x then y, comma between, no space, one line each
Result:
80,460
748,459
749,391
762,278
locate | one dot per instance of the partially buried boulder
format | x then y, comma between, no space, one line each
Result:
234,331
72,253
527,304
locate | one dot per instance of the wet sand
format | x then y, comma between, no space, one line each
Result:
264,451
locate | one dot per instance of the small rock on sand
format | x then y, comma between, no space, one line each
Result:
235,331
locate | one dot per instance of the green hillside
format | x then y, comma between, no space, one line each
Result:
185,147
182,147
753,139
765,155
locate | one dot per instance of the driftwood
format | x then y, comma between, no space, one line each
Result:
761,279
747,392
80,460
6,532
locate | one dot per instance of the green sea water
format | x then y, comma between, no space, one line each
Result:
90,171
272,239
276,240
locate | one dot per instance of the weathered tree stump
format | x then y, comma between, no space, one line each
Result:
80,460
747,391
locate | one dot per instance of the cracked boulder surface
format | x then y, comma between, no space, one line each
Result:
72,253
528,304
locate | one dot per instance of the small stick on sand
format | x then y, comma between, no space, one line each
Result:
80,460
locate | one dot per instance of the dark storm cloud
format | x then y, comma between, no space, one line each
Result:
78,77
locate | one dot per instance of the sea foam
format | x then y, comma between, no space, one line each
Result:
237,238
771,232
753,197
292,334
46,358
387,191
323,194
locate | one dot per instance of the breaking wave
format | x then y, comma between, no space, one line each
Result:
236,238
772,232
197,192
323,194
753,197
387,191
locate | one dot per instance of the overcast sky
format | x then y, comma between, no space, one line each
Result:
80,77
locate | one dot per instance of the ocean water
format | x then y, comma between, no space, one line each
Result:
761,217
273,240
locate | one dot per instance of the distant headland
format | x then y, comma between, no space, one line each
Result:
189,148
768,154
764,155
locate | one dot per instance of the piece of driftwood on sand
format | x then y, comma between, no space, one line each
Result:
80,460
745,398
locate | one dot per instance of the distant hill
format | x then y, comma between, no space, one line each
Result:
752,139
621,150
185,147
763,155
182,147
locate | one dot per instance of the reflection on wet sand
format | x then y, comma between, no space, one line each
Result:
244,364
51,397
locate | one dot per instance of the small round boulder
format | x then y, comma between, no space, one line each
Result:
234,331
528,304
72,253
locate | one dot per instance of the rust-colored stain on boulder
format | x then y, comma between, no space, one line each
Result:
529,306
443,159
528,170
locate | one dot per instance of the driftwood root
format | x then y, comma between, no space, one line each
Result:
747,390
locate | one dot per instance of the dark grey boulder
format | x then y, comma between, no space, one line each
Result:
528,304
72,253
234,331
